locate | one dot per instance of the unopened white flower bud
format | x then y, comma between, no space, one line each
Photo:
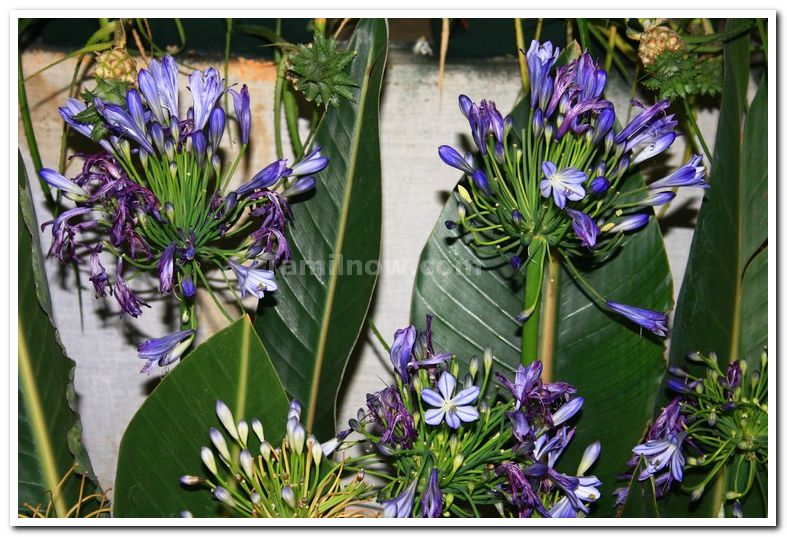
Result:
256,426
208,460
247,463
225,417
243,432
220,444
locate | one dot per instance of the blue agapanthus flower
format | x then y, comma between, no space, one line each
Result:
561,177
156,196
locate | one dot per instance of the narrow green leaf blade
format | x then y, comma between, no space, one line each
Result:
163,440
312,322
50,440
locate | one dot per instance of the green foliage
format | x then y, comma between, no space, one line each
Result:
108,90
163,440
50,433
723,303
315,317
684,74
318,70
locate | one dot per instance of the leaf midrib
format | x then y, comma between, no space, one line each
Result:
38,424
339,244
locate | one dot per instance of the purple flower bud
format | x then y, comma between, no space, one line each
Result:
69,188
464,105
654,199
655,321
301,185
516,262
310,164
157,134
166,267
450,224
516,216
734,374
401,351
631,223
242,103
538,123
164,350
432,498
481,182
599,186
188,287
216,127
690,174
451,156
200,144
400,506
264,178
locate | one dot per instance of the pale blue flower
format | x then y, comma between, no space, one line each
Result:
455,409
563,184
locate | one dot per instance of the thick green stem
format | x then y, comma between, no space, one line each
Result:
534,277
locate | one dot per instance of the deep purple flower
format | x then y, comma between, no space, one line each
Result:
563,184
690,174
401,506
451,156
578,110
605,120
164,350
122,123
455,409
432,498
206,87
128,301
253,281
98,274
521,492
631,222
655,321
527,382
734,375
308,165
480,124
242,103
401,351
166,266
540,59
264,178
585,227
660,453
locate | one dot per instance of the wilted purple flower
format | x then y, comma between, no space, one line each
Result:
563,184
654,321
660,453
540,59
395,422
402,350
527,381
455,409
308,165
585,227
734,375
98,274
451,156
253,281
690,174
128,301
206,87
631,222
64,232
432,498
164,350
242,103
523,497
402,505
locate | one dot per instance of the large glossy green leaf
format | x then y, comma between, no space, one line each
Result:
50,434
312,322
613,365
723,303
163,440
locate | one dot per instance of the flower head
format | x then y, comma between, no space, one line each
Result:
563,184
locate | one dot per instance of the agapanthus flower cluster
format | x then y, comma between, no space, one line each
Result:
560,185
156,197
297,479
714,423
455,451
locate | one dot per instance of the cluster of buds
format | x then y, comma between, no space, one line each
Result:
297,479
715,422
559,185
455,452
654,40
